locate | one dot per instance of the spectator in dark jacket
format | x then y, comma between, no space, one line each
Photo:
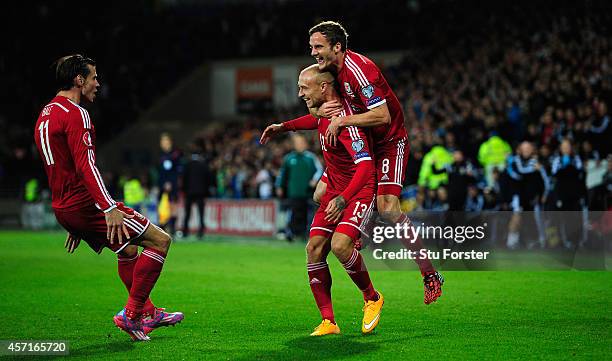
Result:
197,179
569,191
569,194
461,173
530,188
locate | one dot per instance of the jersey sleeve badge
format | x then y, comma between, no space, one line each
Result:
368,91
87,139
348,89
357,145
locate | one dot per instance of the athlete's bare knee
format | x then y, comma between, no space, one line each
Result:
388,207
312,248
164,242
156,238
316,250
342,247
388,203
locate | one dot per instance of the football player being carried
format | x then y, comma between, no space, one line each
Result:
376,107
65,138
348,200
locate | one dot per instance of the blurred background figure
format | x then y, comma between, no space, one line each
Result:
299,174
461,174
197,182
569,189
32,211
169,169
439,158
475,201
264,181
530,188
569,194
134,193
492,155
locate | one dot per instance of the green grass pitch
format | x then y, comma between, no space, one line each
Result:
251,301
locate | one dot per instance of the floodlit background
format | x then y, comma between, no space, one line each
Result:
212,74
187,88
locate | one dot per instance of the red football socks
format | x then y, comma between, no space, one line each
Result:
356,269
423,262
126,273
146,272
320,285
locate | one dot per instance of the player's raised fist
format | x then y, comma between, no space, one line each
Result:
270,132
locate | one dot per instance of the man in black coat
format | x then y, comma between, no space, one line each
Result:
461,174
197,179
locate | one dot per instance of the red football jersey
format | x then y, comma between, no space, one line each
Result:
365,87
352,147
65,137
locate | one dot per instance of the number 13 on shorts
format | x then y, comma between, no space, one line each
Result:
360,209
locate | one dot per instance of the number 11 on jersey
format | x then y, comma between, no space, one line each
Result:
43,130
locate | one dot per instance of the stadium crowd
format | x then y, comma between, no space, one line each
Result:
476,103
539,73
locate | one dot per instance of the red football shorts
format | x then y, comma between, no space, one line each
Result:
357,210
391,160
89,224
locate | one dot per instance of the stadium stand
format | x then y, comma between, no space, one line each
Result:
537,71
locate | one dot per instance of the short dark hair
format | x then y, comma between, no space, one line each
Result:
333,31
70,66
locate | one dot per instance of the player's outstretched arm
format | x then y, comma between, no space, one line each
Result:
270,132
306,122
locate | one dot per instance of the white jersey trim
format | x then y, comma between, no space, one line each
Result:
386,183
350,224
399,161
110,208
361,78
317,267
353,132
59,105
362,159
84,115
98,178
